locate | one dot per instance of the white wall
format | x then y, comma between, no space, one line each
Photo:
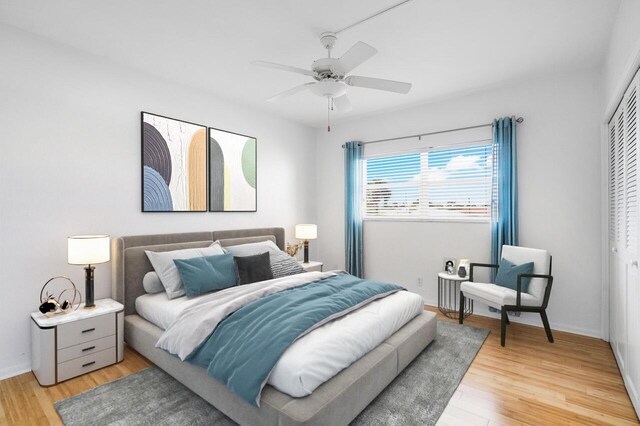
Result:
559,190
70,164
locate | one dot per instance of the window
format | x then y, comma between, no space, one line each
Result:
438,184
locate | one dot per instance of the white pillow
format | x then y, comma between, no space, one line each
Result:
151,283
251,249
168,272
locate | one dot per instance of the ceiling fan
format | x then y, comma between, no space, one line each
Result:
330,75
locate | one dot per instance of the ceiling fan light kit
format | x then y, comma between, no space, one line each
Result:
330,75
329,88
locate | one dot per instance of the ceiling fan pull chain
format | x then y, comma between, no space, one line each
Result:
328,114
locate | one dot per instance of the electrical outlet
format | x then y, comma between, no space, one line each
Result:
419,282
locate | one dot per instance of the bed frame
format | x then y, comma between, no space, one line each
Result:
336,402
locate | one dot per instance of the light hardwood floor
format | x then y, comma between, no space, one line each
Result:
572,381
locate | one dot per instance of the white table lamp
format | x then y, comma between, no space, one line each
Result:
306,232
88,250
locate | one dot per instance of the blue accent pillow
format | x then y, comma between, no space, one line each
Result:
205,274
508,272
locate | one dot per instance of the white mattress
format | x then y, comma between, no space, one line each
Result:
324,352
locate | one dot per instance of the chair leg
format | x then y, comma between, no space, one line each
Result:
545,322
461,313
508,322
503,327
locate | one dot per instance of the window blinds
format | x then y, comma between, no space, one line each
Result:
452,183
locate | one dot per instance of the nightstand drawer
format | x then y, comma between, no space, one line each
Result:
86,348
77,332
78,366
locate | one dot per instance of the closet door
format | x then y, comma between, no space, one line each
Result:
620,259
613,233
624,239
632,225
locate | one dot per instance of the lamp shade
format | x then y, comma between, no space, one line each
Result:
88,249
306,231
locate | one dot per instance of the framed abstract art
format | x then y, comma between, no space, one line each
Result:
232,172
174,165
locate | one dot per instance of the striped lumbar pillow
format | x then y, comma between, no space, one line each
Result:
285,267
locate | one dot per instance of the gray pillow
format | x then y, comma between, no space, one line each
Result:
251,269
168,272
252,248
151,283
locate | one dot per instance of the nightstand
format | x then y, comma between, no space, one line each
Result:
311,266
84,340
449,293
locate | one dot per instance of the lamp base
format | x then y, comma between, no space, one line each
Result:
88,287
306,250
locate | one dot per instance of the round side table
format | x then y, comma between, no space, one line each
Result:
448,296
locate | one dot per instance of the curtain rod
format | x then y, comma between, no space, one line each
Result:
419,136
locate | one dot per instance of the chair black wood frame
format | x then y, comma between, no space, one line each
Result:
542,309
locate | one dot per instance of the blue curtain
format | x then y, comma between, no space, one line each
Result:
353,208
504,206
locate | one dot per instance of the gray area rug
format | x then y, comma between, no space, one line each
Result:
418,396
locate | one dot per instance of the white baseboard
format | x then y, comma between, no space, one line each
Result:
483,311
19,366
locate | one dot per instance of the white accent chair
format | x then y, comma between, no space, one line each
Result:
506,299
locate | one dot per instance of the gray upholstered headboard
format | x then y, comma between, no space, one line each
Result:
130,263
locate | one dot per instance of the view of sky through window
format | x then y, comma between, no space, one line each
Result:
453,183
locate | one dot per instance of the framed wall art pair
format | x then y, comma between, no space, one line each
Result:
188,167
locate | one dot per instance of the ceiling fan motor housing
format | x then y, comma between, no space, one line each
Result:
325,68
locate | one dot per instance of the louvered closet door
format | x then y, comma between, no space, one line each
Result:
632,225
613,233
623,261
617,236
624,239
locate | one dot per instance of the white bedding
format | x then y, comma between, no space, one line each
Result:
315,357
158,309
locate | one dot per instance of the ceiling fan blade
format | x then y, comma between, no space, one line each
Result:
290,92
358,53
284,68
342,103
378,84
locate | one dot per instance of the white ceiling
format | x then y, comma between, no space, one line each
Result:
443,47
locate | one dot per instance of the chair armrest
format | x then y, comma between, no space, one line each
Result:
483,265
549,279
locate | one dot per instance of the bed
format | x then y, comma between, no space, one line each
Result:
337,401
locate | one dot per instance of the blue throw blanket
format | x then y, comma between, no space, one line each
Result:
245,347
